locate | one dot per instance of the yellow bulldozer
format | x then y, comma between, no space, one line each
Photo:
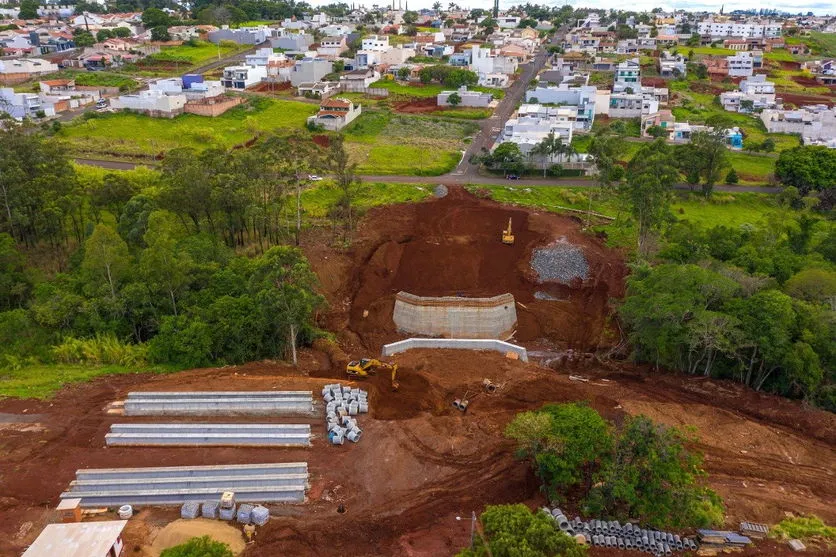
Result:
508,235
369,366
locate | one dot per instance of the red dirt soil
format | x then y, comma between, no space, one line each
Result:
451,246
800,100
421,463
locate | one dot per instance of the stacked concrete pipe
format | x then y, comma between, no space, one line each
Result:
341,404
613,534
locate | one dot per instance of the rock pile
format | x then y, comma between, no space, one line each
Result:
560,262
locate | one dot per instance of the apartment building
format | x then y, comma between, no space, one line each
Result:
814,123
741,64
719,29
581,97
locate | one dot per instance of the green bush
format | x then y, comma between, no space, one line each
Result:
514,531
103,349
566,443
803,528
199,547
652,477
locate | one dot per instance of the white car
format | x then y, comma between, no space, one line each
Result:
314,178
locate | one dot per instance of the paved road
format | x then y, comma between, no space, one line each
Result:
491,127
461,179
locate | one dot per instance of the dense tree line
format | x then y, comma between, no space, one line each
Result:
640,471
150,258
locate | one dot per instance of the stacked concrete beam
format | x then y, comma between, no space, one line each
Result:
175,485
210,435
224,403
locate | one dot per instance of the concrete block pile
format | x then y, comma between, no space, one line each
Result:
611,533
341,404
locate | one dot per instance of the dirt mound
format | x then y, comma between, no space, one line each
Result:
416,105
800,100
451,247
181,531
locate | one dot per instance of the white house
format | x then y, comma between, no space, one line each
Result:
241,77
375,43
582,97
815,123
23,105
721,29
22,69
741,64
756,89
672,65
332,47
534,123
79,539
153,102
310,70
487,65
335,113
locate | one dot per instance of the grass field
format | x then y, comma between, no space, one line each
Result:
422,91
99,79
384,143
317,200
707,50
43,381
823,43
201,52
134,135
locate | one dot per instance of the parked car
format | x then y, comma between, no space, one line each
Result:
314,178
512,177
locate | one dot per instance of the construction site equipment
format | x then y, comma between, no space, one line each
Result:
754,529
249,532
508,235
369,366
264,483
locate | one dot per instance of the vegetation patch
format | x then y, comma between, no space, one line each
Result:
804,528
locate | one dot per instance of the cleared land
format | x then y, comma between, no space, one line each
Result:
422,466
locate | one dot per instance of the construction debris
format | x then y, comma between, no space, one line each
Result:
796,545
754,530
342,402
610,533
722,540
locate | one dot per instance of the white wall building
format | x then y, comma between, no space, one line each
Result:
474,99
534,122
26,66
24,105
582,97
152,102
815,123
487,65
241,77
724,29
741,64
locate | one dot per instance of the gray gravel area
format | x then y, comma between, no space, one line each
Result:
560,262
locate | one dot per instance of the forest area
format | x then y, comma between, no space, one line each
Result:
193,265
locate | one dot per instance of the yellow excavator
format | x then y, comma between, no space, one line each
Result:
508,235
369,366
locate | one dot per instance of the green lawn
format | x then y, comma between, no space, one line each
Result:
422,91
134,135
779,55
724,209
752,168
708,51
317,200
43,381
381,142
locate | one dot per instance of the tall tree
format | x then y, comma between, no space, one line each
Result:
165,268
647,191
347,182
106,259
710,148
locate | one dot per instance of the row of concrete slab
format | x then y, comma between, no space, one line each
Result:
226,403
209,435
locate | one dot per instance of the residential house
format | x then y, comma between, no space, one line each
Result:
491,68
508,22
188,32
358,80
661,119
242,35
153,102
799,49
741,64
332,47
717,67
460,59
293,42
397,55
581,97
473,99
335,113
672,65
318,89
736,44
755,89
376,43
23,105
243,76
628,74
18,70
631,105
310,70
336,30
814,123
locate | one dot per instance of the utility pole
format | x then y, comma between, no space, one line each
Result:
472,529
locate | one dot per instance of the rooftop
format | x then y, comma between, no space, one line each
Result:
77,539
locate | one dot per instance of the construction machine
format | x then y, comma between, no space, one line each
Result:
369,366
508,235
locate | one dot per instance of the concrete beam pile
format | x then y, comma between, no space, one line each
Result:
456,343
223,403
210,435
175,485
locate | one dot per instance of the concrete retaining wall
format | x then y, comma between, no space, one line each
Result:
455,317
264,435
455,343
261,483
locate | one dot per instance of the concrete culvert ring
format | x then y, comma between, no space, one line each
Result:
341,508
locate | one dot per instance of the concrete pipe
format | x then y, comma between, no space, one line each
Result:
607,542
669,539
546,510
556,511
562,522
605,527
615,525
620,542
668,550
581,539
354,435
645,540
598,539
353,409
628,544
362,407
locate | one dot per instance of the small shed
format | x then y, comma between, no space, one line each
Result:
79,539
69,510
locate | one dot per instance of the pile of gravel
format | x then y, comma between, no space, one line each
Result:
440,190
560,262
